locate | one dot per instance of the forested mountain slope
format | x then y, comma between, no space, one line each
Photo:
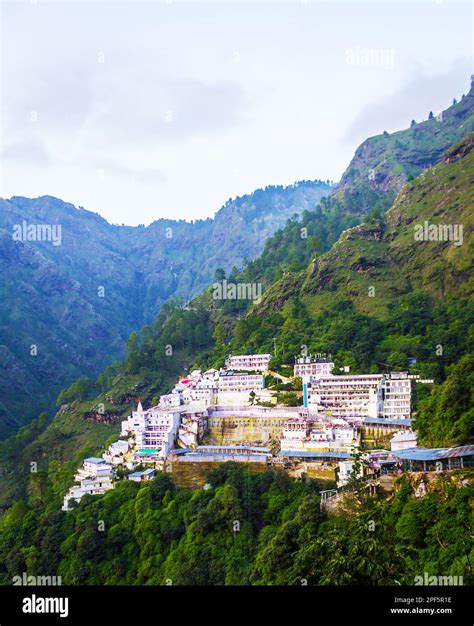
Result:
68,309
377,299
75,304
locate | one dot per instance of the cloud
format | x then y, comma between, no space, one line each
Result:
148,176
152,111
30,150
101,118
420,95
105,106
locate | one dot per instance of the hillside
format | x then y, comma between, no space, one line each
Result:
157,532
77,302
382,164
369,185
421,300
384,254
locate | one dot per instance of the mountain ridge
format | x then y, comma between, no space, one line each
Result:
79,301
406,321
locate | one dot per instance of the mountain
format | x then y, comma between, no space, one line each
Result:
377,298
389,288
383,164
385,253
69,308
379,169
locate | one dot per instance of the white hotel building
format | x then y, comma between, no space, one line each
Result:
345,396
95,478
396,396
313,366
235,381
249,362
154,429
361,395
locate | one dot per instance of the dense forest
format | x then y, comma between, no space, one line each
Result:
266,528
242,528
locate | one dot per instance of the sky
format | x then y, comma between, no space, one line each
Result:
141,110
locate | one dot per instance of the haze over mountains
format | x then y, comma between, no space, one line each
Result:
69,309
77,302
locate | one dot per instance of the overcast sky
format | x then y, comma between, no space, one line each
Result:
141,110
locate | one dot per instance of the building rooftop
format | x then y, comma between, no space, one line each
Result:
146,472
433,454
94,459
383,420
342,456
404,435
234,373
248,356
232,448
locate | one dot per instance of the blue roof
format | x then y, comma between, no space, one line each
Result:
315,455
433,454
142,473
94,459
383,420
233,449
226,455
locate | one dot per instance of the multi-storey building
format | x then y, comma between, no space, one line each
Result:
295,432
171,399
236,381
313,366
396,396
198,394
361,395
345,396
250,362
115,454
154,429
95,478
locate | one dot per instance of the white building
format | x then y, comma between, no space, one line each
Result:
115,454
345,396
294,434
170,400
396,396
210,374
344,473
250,362
199,394
235,381
154,429
313,366
331,436
403,440
362,395
145,475
95,478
